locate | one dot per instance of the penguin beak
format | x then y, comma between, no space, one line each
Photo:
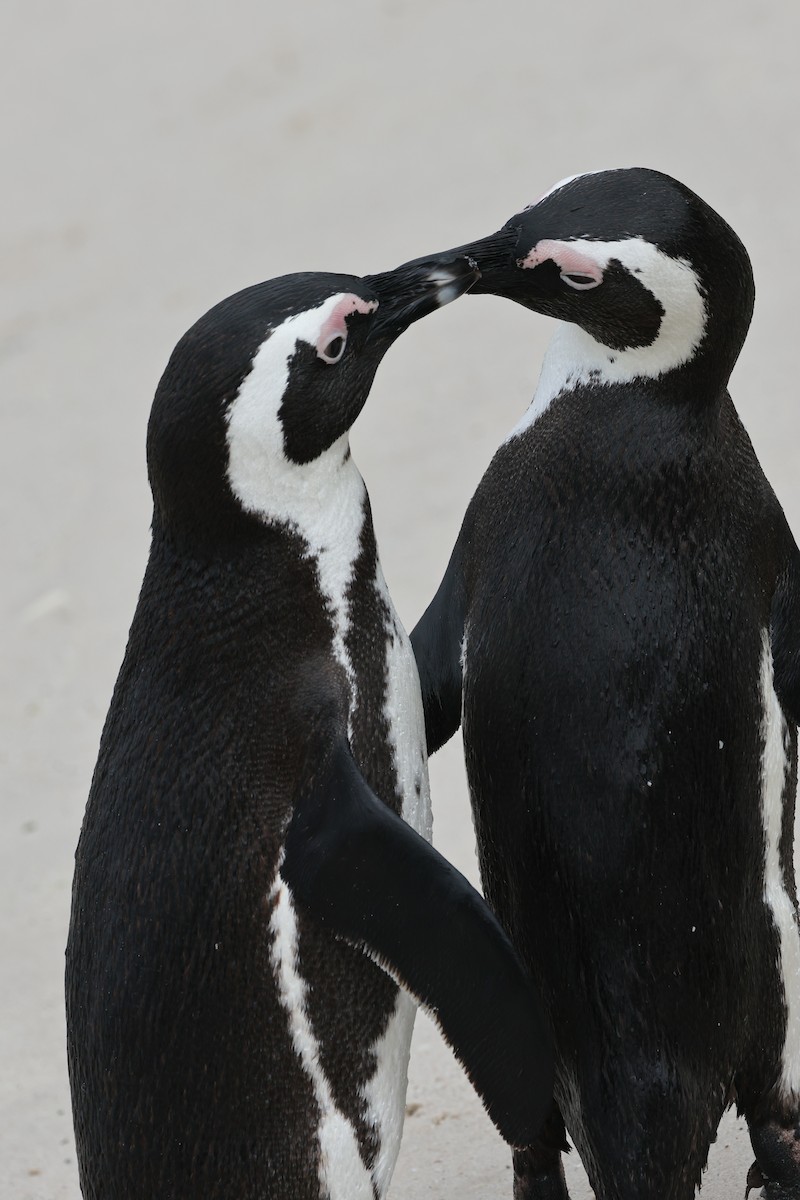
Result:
417,289
497,260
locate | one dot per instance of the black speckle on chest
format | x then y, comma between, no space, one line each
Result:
372,625
349,999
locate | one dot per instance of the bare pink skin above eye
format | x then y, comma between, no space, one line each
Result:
335,325
568,260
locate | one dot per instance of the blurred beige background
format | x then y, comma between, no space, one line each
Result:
158,156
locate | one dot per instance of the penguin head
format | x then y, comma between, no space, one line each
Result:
255,405
652,275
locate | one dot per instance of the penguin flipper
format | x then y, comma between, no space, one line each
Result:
437,640
785,635
368,877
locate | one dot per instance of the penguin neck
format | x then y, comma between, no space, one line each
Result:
319,508
325,503
574,359
306,534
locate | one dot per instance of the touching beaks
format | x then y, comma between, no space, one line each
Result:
495,256
418,288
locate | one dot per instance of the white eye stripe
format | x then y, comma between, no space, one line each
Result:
330,338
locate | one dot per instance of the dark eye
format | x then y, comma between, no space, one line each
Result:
333,351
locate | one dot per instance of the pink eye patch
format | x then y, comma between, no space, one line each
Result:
335,324
577,269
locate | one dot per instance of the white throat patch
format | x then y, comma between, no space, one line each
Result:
261,477
574,357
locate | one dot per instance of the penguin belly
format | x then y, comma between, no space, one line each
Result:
386,1091
349,1023
633,814
778,810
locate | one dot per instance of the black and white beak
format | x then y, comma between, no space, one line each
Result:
418,288
496,260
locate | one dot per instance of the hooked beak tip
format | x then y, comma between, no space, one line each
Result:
451,280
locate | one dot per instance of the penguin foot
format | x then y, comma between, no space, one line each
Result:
777,1167
534,1182
770,1189
754,1179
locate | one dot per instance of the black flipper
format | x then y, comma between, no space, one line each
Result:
370,878
437,640
785,635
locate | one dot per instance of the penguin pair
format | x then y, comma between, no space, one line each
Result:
618,633
255,900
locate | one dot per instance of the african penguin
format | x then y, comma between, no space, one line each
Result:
618,631
254,844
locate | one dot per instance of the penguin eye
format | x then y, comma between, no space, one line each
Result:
333,351
581,283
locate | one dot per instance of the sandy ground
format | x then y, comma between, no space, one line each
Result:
159,156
